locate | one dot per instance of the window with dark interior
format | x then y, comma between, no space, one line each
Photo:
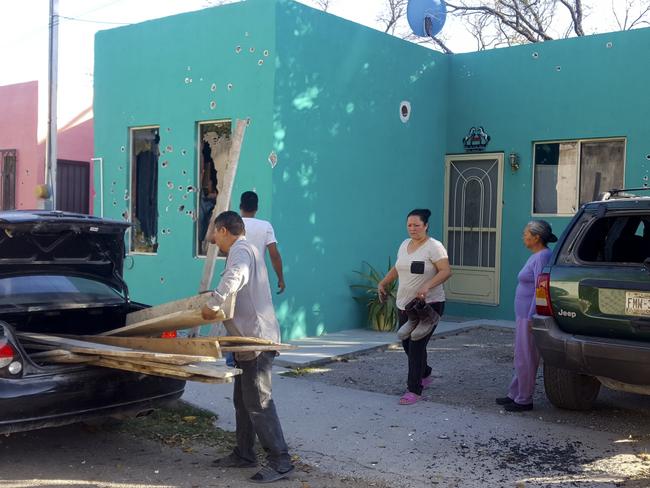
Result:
617,239
144,189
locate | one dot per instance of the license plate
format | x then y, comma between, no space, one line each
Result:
637,303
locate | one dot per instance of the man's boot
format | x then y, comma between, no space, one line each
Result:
429,319
413,318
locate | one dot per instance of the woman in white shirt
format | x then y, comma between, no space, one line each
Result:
422,267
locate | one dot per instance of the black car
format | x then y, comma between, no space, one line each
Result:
61,273
593,303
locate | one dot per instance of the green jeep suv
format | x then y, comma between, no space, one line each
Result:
592,325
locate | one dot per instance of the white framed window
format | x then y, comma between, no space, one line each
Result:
144,189
214,139
567,174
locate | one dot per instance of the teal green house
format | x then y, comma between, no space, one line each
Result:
347,130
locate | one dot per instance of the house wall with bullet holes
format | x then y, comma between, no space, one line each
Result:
347,130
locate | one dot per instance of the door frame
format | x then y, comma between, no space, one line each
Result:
499,157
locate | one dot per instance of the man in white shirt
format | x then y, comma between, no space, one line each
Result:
260,233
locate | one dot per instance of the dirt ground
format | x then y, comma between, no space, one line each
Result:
171,449
471,369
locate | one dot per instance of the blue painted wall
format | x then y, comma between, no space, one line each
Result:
589,87
326,100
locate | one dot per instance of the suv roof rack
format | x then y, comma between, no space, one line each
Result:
621,193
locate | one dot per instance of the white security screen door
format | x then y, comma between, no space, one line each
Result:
473,226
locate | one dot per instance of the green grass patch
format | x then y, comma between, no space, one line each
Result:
297,372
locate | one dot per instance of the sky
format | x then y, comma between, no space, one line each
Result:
24,38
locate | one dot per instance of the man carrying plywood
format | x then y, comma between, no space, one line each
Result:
245,275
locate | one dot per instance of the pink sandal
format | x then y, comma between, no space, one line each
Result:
426,381
409,398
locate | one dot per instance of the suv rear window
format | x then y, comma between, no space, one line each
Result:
617,239
55,290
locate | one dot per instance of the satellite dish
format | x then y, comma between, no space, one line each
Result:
426,17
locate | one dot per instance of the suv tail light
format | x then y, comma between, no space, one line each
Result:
543,295
7,353
169,335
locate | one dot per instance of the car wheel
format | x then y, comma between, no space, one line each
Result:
568,389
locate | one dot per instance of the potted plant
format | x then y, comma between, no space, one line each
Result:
382,316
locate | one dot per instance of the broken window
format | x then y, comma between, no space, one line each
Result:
8,177
214,141
144,189
570,173
619,239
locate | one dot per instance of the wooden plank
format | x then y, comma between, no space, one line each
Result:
62,356
189,304
223,200
258,347
160,370
202,369
242,340
198,347
83,347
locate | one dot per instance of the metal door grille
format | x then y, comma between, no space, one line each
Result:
472,220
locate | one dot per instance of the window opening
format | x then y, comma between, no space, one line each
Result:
8,179
570,173
144,188
620,239
214,141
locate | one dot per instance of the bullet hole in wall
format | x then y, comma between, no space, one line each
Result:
183,152
266,52
165,163
162,279
213,105
535,55
181,208
122,149
184,171
405,111
170,197
230,87
260,62
190,189
188,81
558,68
251,50
170,185
609,45
238,49
213,87
125,215
180,187
169,148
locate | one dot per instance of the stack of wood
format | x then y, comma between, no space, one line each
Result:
137,346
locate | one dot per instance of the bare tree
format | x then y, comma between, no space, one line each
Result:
393,11
323,5
495,23
634,13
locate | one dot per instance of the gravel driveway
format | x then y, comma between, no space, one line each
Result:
474,367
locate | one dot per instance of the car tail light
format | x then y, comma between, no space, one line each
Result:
543,295
7,353
169,334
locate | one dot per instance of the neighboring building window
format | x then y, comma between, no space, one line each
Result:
8,177
144,189
214,141
570,173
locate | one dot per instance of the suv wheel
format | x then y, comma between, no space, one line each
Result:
568,389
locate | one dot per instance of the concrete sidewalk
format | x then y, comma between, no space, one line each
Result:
316,351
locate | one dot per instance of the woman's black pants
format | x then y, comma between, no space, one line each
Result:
417,353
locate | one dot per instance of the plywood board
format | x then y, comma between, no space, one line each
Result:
104,350
181,314
214,375
207,347
258,348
